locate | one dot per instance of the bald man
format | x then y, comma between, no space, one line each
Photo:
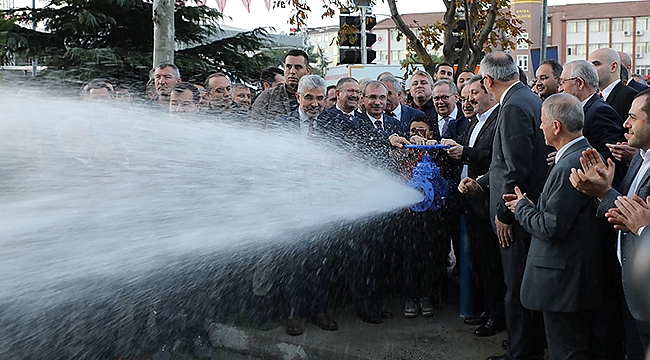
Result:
614,92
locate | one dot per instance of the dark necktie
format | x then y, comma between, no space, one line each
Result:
445,126
311,126
378,125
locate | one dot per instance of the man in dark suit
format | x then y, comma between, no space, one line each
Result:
394,106
637,83
475,152
372,130
602,126
602,123
595,179
518,159
450,120
307,287
348,96
564,275
608,65
374,122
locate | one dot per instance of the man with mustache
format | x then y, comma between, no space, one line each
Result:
165,77
281,100
307,283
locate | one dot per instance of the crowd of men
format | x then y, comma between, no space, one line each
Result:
550,183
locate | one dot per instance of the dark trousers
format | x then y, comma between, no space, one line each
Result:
525,327
637,335
569,335
306,284
422,247
486,261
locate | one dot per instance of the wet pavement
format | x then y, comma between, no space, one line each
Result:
443,336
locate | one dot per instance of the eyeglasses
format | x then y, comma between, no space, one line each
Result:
353,92
483,79
561,81
441,98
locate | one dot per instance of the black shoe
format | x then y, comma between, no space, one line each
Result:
370,316
489,329
502,357
478,320
504,344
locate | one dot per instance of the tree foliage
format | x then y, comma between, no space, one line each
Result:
114,39
488,25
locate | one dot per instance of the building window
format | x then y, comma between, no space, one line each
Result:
643,70
599,25
642,48
548,29
394,34
522,45
594,47
643,23
394,55
522,62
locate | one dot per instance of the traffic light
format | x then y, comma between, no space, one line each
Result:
350,39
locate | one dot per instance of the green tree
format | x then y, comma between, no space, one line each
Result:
114,39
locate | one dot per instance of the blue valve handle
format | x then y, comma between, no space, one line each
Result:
426,147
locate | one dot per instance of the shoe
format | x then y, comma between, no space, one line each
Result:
504,344
411,309
489,329
295,326
426,307
502,357
477,320
202,349
324,322
163,353
371,316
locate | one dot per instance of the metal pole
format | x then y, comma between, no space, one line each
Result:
35,60
364,52
542,47
163,32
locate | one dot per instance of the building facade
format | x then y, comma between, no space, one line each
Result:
573,31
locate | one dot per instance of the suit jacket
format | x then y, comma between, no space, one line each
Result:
363,124
564,270
637,85
408,113
603,126
478,157
629,241
326,124
518,154
621,99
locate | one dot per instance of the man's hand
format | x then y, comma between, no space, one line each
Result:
469,186
622,151
398,141
615,217
504,232
635,211
512,199
595,178
550,158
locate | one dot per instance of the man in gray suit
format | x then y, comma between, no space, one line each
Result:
595,179
564,275
518,159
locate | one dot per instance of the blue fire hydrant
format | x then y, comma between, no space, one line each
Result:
427,179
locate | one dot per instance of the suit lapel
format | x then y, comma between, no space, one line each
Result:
635,165
492,118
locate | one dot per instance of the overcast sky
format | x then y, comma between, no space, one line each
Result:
238,16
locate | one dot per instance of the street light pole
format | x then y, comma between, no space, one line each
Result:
542,47
34,60
364,52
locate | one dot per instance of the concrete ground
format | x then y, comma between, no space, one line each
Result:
443,336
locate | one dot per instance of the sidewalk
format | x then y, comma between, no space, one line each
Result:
443,336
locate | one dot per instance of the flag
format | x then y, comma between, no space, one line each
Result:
247,4
221,4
